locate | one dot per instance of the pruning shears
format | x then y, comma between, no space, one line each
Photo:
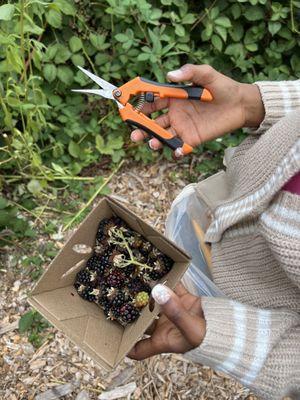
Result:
147,91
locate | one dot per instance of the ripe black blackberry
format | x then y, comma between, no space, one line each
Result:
137,285
127,313
87,292
98,263
85,277
146,248
129,271
160,267
118,300
167,261
115,279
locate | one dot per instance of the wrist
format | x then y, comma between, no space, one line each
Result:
252,104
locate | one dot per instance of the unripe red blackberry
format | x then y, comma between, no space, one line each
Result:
127,313
115,279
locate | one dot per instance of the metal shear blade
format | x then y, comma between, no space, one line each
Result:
101,82
105,92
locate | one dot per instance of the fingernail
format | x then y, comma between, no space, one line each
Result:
161,294
133,136
178,152
175,74
150,143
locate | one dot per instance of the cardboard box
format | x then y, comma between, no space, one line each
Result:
84,323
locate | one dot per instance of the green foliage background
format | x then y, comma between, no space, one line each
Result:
49,134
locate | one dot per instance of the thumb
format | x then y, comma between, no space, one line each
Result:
191,326
203,75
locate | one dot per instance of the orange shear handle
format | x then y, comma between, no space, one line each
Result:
141,121
141,85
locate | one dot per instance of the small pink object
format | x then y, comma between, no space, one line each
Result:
293,185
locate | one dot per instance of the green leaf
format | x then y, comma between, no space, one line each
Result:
74,149
26,321
62,54
54,100
274,27
121,37
3,203
188,19
75,44
98,41
34,186
143,56
54,18
78,59
66,7
217,42
254,13
222,32
295,63
236,10
7,12
223,21
49,71
179,30
65,74
251,47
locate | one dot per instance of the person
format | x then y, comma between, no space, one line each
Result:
252,334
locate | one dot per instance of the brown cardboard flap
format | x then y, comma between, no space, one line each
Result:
74,329
85,323
104,337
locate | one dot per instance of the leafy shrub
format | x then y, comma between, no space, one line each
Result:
50,134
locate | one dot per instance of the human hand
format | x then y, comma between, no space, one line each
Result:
234,105
180,328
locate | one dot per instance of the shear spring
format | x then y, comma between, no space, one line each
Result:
140,103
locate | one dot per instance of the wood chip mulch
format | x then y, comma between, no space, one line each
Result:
58,369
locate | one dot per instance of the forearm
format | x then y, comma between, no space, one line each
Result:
260,348
253,105
267,102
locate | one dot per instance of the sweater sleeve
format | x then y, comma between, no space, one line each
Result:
279,99
260,348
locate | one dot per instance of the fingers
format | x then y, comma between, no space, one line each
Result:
157,105
203,75
191,326
146,348
138,135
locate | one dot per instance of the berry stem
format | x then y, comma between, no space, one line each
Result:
117,237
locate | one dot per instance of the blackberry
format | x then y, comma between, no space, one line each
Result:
161,267
98,264
129,271
127,313
118,300
101,235
141,299
86,277
115,279
137,285
146,248
88,293
167,261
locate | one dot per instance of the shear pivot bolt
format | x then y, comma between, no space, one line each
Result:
117,93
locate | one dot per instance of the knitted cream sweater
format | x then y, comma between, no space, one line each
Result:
254,334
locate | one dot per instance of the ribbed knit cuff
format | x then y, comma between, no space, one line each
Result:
239,337
279,98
